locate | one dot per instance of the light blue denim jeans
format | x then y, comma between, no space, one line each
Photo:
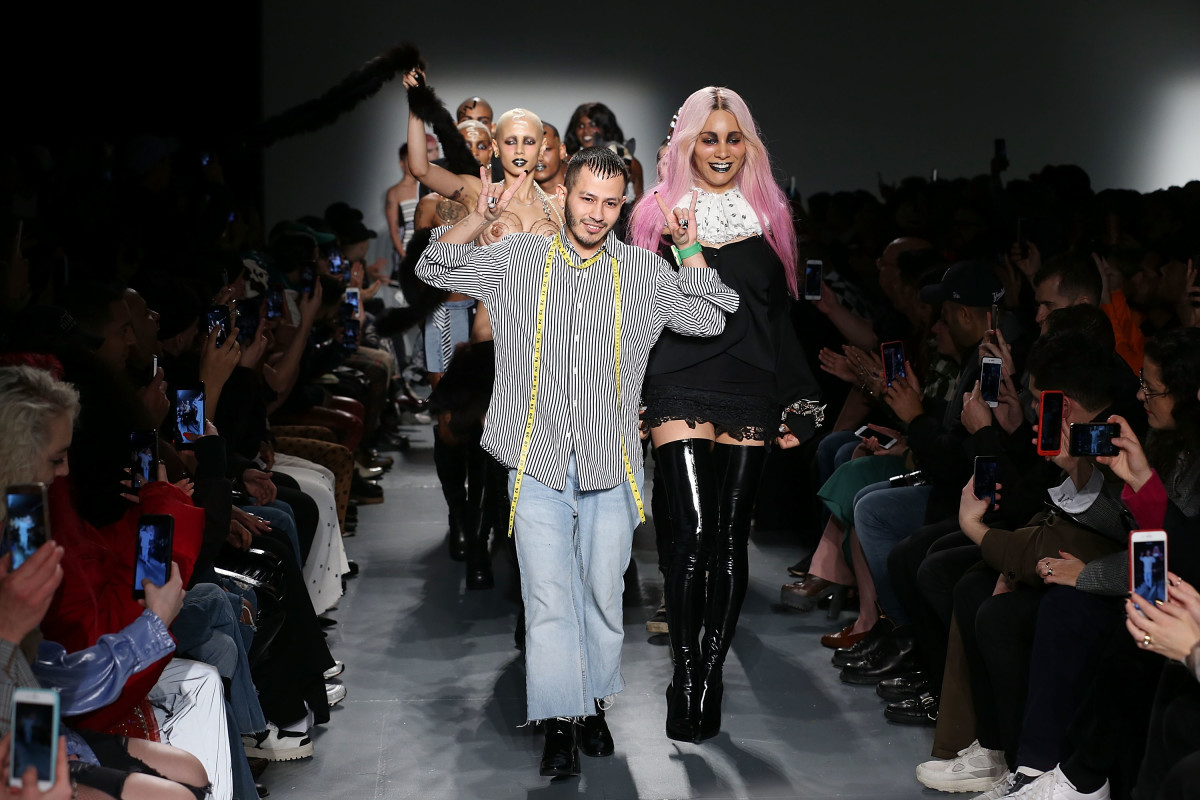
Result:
573,548
884,516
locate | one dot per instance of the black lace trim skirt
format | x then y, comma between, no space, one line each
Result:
738,415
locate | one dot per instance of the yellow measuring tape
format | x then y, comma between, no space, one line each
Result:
557,245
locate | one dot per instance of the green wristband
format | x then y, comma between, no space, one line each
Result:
687,252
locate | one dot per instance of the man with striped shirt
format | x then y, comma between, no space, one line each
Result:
574,317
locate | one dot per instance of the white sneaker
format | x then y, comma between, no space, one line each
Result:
1053,785
277,745
335,693
337,669
1015,782
976,769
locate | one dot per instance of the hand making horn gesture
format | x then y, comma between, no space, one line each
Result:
492,201
680,222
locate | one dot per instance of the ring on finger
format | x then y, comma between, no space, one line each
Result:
683,223
1147,640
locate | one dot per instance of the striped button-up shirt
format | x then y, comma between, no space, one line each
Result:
577,409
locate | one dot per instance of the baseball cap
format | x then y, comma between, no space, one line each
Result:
971,283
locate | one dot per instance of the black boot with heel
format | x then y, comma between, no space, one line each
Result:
738,470
685,470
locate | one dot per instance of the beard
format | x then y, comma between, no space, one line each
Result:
580,233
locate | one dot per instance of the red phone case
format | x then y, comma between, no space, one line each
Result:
1041,409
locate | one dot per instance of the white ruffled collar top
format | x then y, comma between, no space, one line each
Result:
722,217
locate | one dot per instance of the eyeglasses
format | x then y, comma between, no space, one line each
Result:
1149,395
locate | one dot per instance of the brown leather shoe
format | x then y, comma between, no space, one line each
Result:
804,595
843,638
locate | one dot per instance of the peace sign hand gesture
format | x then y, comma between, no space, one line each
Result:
492,201
680,222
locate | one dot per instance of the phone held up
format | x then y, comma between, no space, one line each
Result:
989,380
1050,416
985,479
1148,565
892,354
28,525
34,736
274,300
143,458
1092,438
189,414
814,274
217,317
156,533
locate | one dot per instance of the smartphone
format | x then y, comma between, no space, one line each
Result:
156,533
143,458
274,300
34,736
989,380
1093,438
1050,411
217,317
1148,564
308,280
893,360
154,368
352,303
886,440
985,479
247,325
28,525
337,266
814,274
350,334
189,413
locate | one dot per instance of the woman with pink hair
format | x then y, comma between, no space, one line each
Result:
713,404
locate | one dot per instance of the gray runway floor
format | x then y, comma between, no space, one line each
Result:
436,688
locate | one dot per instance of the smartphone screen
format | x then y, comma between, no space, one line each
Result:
350,334
155,534
989,381
886,440
189,413
985,479
893,360
308,280
143,458
274,301
337,266
28,525
1148,564
814,273
1093,438
1050,423
34,735
217,317
247,325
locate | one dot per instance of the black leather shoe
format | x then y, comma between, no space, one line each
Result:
595,739
560,757
896,658
921,710
874,639
902,687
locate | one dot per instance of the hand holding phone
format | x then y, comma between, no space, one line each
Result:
885,439
218,317
1148,565
1086,439
155,540
1050,417
34,743
893,361
275,300
28,525
989,380
985,479
143,458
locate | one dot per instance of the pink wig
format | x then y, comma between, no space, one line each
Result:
755,179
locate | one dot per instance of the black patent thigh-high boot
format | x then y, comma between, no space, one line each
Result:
479,518
739,471
687,479
450,461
